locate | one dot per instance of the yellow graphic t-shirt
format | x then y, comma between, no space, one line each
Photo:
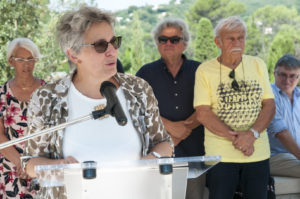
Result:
238,109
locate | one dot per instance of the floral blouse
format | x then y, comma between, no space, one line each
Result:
14,115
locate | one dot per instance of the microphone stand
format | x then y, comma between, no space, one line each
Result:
95,115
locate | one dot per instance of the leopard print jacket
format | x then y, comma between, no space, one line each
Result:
48,107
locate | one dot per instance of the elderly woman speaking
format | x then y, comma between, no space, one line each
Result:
88,39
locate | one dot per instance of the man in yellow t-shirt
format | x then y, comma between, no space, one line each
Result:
234,101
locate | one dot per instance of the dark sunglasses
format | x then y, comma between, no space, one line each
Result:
102,45
173,40
234,83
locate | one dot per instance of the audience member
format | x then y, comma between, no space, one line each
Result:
22,54
234,101
284,130
172,78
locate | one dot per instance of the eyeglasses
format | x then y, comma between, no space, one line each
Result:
173,40
102,45
286,76
22,60
234,83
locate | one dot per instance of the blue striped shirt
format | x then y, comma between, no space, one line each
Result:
287,117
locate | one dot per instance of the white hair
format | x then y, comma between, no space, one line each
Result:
230,24
22,43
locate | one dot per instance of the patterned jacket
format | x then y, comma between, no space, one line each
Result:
48,107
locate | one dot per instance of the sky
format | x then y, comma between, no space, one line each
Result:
114,5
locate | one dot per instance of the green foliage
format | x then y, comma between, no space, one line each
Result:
213,10
253,5
284,42
266,29
205,48
53,59
255,44
264,39
275,16
137,45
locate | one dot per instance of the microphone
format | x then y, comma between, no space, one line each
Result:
113,107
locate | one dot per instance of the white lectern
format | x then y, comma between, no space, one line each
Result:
164,178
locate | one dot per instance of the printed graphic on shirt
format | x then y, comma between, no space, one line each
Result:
239,108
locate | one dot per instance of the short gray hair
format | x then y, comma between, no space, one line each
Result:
230,24
176,23
288,61
22,43
73,24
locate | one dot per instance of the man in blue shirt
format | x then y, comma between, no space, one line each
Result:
284,130
172,78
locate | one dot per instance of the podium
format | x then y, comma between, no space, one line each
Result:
163,178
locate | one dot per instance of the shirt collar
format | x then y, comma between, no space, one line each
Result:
162,62
295,93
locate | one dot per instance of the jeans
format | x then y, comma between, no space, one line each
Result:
224,178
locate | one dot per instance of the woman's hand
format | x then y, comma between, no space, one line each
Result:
46,161
69,160
21,174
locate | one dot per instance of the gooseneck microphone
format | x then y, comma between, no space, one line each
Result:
113,106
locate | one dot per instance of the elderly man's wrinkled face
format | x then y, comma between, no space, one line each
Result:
174,46
286,79
231,43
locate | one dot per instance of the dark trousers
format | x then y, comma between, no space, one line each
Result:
224,178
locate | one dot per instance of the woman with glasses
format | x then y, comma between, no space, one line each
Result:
22,54
87,37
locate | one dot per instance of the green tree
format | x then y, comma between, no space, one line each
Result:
284,42
253,5
137,45
18,18
255,45
213,10
54,59
275,16
264,24
205,47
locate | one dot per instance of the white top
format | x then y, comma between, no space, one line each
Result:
99,140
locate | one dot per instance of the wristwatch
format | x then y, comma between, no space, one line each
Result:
155,154
255,133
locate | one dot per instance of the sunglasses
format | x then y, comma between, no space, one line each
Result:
173,40
102,45
234,83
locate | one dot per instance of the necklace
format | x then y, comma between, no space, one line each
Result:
25,88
